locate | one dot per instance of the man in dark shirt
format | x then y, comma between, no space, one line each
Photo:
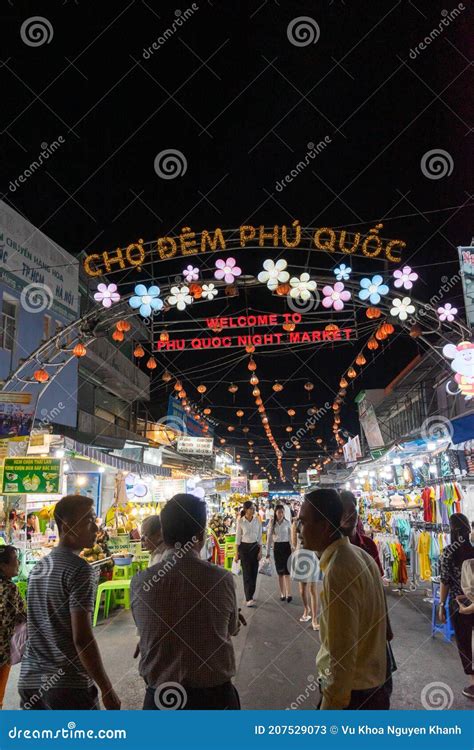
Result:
350,526
186,613
62,664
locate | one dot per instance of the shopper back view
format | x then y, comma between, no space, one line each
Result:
62,667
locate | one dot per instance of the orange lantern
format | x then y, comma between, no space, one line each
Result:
283,289
152,363
289,428
254,380
79,350
41,376
277,387
256,392
216,329
415,331
331,327
250,348
233,388
139,351
182,393
164,337
206,411
231,291
258,401
195,290
372,344
123,325
222,441
343,383
360,359
118,335
351,373
240,413
261,409
289,327
166,377
308,386
245,429
251,365
387,328
178,385
373,312
291,412
201,388
250,442
230,428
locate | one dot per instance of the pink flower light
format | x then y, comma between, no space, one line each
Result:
447,312
335,296
227,270
404,277
107,294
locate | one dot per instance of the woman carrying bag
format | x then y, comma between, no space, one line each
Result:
279,539
249,549
12,611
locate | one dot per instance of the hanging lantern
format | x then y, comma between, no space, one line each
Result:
139,351
277,387
240,413
216,329
251,365
265,420
283,289
289,428
289,327
231,291
123,325
164,337
335,406
201,388
360,359
416,330
372,344
343,383
245,429
222,441
258,401
308,386
178,385
331,327
166,377
152,363
250,348
373,312
118,336
261,409
182,393
41,376
79,350
319,441
380,335
195,290
206,411
250,442
291,412
230,428
187,408
351,373
256,392
254,380
387,328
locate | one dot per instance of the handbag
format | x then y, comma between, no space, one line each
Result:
18,642
236,567
265,567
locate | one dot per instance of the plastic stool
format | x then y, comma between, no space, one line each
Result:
122,572
108,588
446,628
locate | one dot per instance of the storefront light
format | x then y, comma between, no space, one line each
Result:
81,480
59,453
101,469
431,446
418,463
66,466
433,470
371,473
397,461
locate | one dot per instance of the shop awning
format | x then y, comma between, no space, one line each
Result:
463,429
123,464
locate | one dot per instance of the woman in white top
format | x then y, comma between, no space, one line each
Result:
279,538
305,570
249,549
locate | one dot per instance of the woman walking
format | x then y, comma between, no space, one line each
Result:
12,610
305,570
451,562
249,549
279,538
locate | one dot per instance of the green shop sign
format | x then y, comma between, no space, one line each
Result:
35,476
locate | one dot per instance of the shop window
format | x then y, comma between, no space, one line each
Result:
8,324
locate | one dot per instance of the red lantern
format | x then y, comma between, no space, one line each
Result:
118,335
123,325
41,376
164,337
79,350
373,312
152,363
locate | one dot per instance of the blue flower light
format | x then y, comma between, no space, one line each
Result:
373,289
342,272
147,300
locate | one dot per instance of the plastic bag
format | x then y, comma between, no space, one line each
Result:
18,643
467,579
236,567
265,567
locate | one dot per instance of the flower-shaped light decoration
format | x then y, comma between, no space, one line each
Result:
404,277
227,270
335,296
274,273
209,291
373,289
180,297
302,287
342,272
191,273
447,312
402,308
107,294
146,300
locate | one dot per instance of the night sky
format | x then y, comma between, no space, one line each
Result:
241,101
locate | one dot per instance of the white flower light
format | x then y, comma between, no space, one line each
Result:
274,273
402,308
302,287
180,297
209,291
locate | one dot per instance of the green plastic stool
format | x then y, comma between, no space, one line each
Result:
120,589
122,572
22,587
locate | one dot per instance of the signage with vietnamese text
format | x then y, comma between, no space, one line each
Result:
466,260
39,476
352,450
258,485
195,446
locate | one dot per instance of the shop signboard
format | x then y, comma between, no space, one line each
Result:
303,478
223,485
183,423
369,422
352,450
195,446
239,485
258,485
466,261
39,476
17,411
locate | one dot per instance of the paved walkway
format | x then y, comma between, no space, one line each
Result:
275,655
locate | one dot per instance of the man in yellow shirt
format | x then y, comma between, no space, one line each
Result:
352,660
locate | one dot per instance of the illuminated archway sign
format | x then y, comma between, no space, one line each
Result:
187,242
